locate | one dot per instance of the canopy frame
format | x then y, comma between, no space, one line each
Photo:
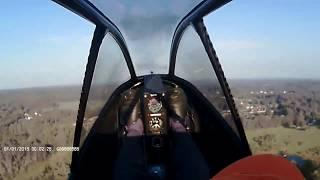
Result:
87,10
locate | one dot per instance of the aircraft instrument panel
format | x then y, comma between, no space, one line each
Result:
155,114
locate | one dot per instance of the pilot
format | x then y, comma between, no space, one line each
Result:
187,161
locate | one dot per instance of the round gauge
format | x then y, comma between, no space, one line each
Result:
154,105
155,123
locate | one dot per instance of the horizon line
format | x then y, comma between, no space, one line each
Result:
228,79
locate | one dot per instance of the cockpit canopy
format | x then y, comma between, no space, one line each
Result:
164,38
148,28
133,39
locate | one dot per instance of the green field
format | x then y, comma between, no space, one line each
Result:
304,143
288,140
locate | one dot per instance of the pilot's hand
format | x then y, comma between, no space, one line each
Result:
135,128
177,126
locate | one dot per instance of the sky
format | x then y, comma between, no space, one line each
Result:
267,38
42,44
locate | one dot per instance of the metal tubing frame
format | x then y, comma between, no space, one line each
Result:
98,37
201,10
204,36
88,11
195,18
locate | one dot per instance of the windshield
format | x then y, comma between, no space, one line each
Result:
148,28
110,72
193,65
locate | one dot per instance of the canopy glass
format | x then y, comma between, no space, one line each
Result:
148,28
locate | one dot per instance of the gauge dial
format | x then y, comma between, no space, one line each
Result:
154,105
155,123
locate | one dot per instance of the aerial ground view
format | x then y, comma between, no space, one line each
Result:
268,50
280,117
37,117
